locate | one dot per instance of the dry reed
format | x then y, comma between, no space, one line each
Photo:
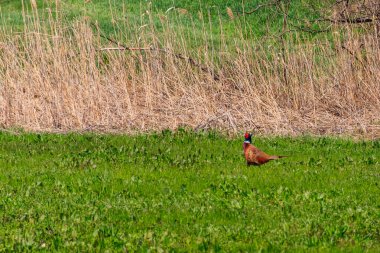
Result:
53,77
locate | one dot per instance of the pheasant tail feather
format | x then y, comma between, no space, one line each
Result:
275,157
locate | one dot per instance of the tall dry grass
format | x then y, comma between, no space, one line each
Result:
55,77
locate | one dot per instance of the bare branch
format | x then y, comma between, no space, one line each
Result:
359,20
123,48
353,54
190,60
309,29
115,42
263,5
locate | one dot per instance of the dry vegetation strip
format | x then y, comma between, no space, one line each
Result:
55,78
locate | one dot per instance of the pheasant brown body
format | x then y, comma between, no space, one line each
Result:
255,156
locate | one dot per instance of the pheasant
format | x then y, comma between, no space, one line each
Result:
255,156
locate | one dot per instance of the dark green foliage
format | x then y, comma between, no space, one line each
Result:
186,191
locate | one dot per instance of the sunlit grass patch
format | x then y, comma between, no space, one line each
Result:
186,191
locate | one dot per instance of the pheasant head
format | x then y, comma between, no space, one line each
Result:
247,137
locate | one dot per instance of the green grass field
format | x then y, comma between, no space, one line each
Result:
115,15
186,192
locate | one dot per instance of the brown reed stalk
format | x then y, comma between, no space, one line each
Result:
53,77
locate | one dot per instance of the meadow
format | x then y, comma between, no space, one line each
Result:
186,191
111,15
